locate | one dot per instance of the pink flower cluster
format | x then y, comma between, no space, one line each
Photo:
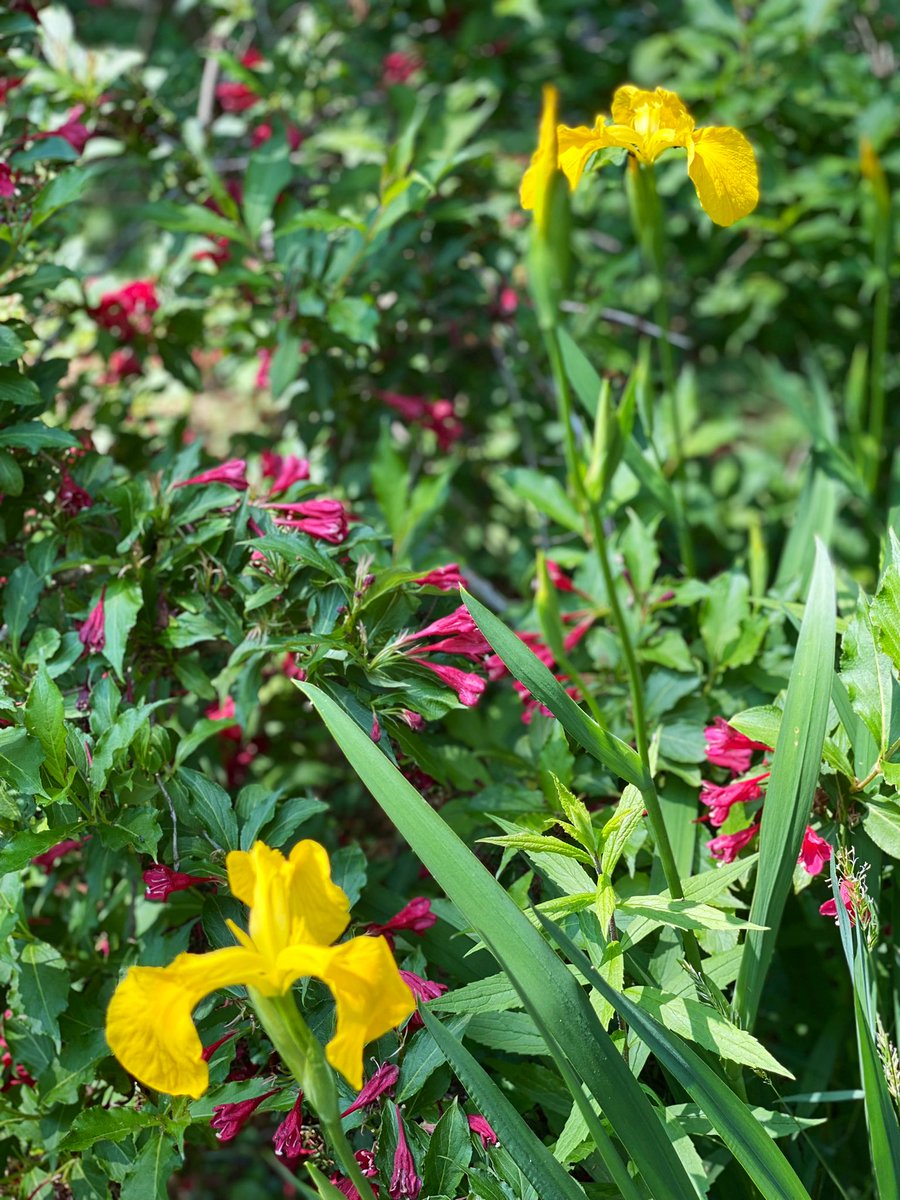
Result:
726,747
12,1074
128,311
437,415
455,634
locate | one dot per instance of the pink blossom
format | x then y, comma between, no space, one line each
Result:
253,58
720,799
574,636
209,1051
375,733
398,67
7,182
558,577
415,917
292,669
459,621
219,254
381,1082
726,747
283,470
232,473
127,311
235,97
422,989
72,498
346,1187
467,685
325,519
7,84
229,1119
814,853
288,1138
405,1183
479,1125
507,301
264,354
72,130
829,908
727,846
49,858
92,633
264,131
496,667
413,719
123,363
447,578
437,415
162,881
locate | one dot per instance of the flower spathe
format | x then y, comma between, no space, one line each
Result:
296,913
721,163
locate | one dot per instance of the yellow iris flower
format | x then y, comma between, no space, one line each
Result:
720,159
535,190
296,913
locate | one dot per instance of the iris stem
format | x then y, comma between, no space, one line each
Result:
303,1056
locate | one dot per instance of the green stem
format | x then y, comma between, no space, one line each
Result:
305,1059
880,330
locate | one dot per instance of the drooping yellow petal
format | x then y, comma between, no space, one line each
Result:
576,145
292,901
149,1026
371,998
658,119
723,170
535,188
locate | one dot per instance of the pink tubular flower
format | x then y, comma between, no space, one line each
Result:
71,498
467,685
7,182
209,1051
219,253
381,1082
437,415
725,747
72,130
458,622
235,97
447,578
413,719
479,1125
127,310
325,519
264,355
829,908
415,917
92,633
814,853
727,846
49,858
123,363
345,1186
229,1119
558,577
283,470
162,881
405,1183
232,473
422,989
288,1138
720,799
398,67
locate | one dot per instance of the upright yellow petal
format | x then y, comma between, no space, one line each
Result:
722,168
371,998
320,910
658,119
148,1023
576,145
536,181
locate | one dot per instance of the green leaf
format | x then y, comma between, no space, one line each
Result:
730,1117
152,1169
35,435
213,806
43,985
105,1124
776,1124
268,172
795,772
866,673
11,345
192,218
525,666
12,481
682,914
882,823
318,218
59,192
121,606
449,1153
20,848
548,991
885,613
20,601
546,494
45,720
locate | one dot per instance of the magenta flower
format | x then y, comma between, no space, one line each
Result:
413,719
70,497
466,685
437,415
325,519
727,846
283,470
829,908
232,473
229,1119
456,634
288,1138
398,67
72,130
123,363
7,182
127,310
209,1051
422,989
479,1125
49,858
162,881
447,578
558,577
235,97
405,1183
415,917
92,633
720,799
725,747
345,1186
264,355
382,1081
814,853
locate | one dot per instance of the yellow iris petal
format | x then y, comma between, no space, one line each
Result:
576,145
722,168
536,181
149,1025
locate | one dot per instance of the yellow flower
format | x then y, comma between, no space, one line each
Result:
296,912
535,190
720,159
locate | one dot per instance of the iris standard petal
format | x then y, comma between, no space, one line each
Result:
723,170
371,998
536,181
149,1026
320,910
576,145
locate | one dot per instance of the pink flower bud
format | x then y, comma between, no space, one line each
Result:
382,1081
405,1183
727,846
415,917
232,473
447,578
467,686
229,1119
92,633
479,1125
725,747
162,881
814,853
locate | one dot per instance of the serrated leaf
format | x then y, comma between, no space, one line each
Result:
121,606
866,673
449,1153
44,718
43,985
212,805
682,914
105,1124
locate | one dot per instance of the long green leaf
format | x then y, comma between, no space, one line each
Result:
540,1167
548,990
732,1119
615,754
795,771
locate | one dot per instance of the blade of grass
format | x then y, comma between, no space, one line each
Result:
548,990
795,771
749,1143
